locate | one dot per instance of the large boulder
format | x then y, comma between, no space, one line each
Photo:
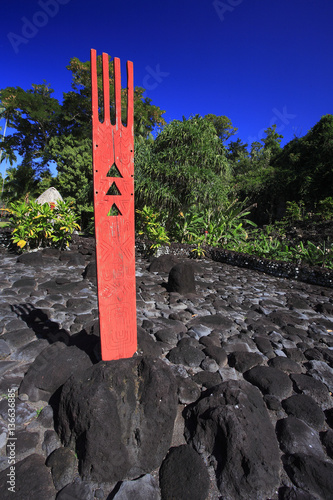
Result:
29,478
181,278
63,465
311,474
231,424
314,388
270,381
184,475
119,417
305,408
295,436
163,264
50,370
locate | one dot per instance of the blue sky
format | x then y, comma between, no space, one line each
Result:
258,62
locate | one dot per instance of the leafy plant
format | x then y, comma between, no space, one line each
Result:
185,166
151,225
36,225
325,208
39,411
226,226
264,245
199,252
313,255
188,228
294,210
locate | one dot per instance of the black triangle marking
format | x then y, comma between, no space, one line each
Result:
114,211
114,172
113,190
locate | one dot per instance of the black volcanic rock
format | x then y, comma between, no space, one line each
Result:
163,264
50,370
32,480
270,381
311,474
183,475
181,279
243,361
295,436
305,408
224,423
119,417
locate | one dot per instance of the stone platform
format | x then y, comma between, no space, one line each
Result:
251,356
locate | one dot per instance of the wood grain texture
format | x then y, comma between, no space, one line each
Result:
113,167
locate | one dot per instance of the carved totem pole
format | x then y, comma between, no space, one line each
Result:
113,167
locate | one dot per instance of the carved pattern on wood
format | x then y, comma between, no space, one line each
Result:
113,167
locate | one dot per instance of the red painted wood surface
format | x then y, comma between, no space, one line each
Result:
113,166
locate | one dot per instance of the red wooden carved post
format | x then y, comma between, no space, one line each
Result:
113,165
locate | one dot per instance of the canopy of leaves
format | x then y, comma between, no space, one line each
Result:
74,164
35,116
304,168
46,131
272,141
185,165
223,126
146,115
254,172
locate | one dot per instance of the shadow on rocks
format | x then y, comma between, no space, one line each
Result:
39,322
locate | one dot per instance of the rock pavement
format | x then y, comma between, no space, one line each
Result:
229,395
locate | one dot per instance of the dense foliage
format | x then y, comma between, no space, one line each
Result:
306,165
45,131
35,226
186,165
193,182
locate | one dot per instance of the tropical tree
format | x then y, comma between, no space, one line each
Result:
45,131
35,116
2,110
78,102
254,174
239,157
223,126
5,155
304,168
75,179
20,183
272,141
186,165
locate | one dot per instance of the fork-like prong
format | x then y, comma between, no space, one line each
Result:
106,87
117,91
130,97
94,85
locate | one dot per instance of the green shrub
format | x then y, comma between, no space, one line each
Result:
325,208
151,224
226,227
320,255
264,245
36,225
294,210
188,227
